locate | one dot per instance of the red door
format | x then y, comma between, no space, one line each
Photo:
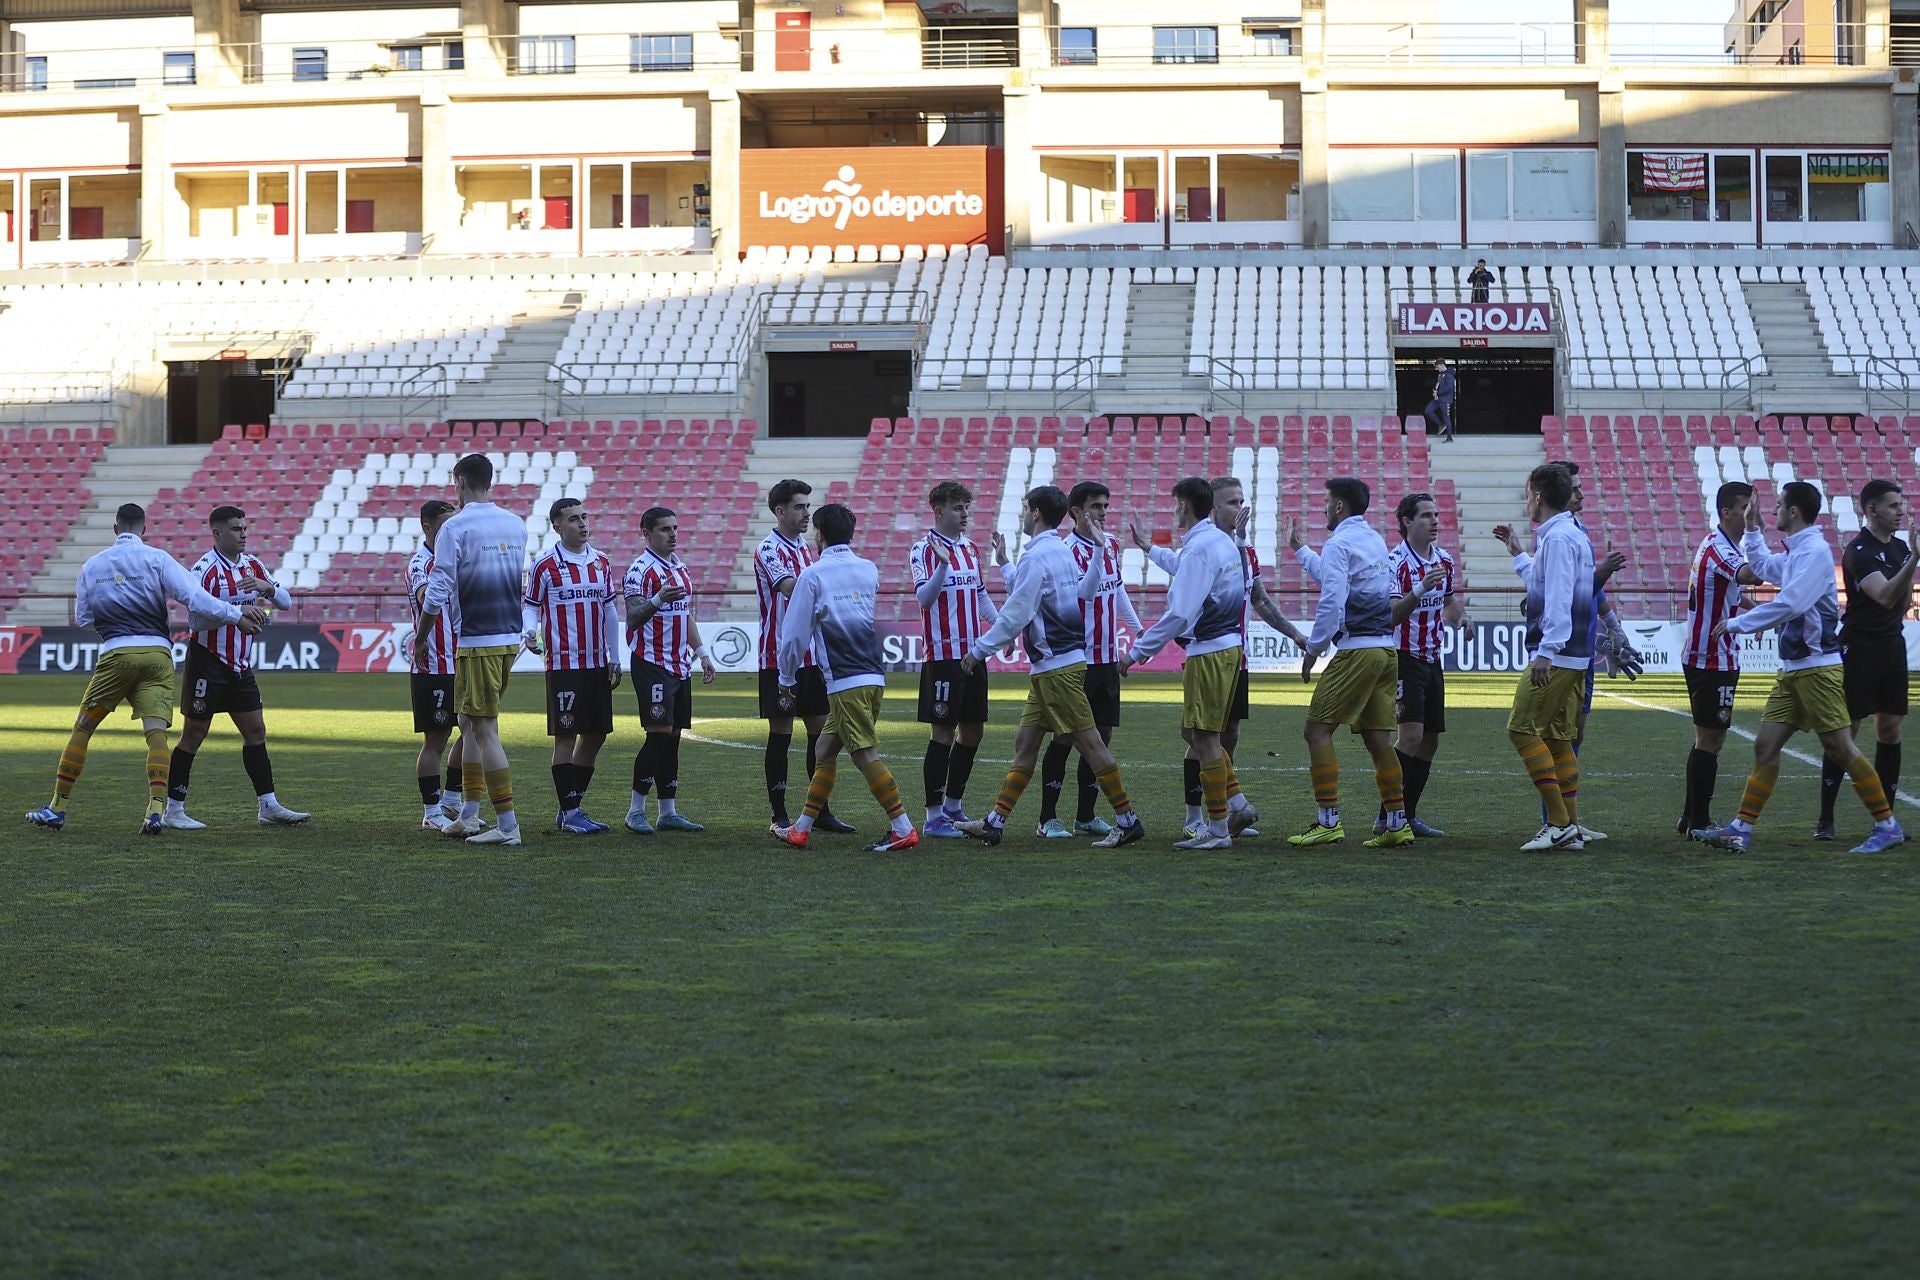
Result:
558,213
1201,209
641,211
1139,205
359,216
88,223
280,217
793,41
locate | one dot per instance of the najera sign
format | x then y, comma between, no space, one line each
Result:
1461,319
872,196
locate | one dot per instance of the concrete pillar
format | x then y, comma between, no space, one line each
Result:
439,201
1017,173
1906,159
1036,18
1592,44
226,42
723,174
10,53
1872,45
1316,196
156,183
491,30
1612,175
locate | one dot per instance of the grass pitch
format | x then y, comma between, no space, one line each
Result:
357,1048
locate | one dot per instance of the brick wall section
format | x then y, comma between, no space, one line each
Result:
903,171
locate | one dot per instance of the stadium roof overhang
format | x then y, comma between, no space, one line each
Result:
783,105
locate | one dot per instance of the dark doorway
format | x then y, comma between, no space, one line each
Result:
203,396
835,393
1498,390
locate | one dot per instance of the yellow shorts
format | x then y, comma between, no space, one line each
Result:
853,716
480,679
1057,701
1813,699
1549,712
140,676
1357,689
1207,687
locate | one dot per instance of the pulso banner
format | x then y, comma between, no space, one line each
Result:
871,196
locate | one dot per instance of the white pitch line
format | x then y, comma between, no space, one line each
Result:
1795,752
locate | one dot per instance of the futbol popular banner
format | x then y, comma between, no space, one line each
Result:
382,646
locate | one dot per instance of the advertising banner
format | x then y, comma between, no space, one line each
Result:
382,646
872,196
1475,319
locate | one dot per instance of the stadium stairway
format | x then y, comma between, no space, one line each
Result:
1154,353
1800,375
823,462
118,475
515,383
1488,475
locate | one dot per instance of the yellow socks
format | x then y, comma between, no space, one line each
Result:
157,763
1538,758
1016,782
1323,765
1215,777
1760,789
73,758
499,784
880,782
473,782
1391,780
1866,785
1109,780
824,773
1233,778
1566,767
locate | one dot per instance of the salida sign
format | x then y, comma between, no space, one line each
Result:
1477,319
871,196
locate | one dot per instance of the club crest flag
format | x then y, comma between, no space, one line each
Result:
1673,171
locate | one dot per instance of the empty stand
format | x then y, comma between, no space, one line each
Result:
1289,328
1655,327
1005,328
1869,322
46,470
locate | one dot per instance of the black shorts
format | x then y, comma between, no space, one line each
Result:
432,702
809,694
666,700
950,696
1875,668
209,687
1103,692
1242,697
1421,697
1710,694
579,702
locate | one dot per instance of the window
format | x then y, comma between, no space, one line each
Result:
1079,47
1783,189
1689,186
1273,41
1186,44
105,82
409,57
309,64
1531,186
456,55
1383,185
546,55
662,53
1848,188
36,74
178,68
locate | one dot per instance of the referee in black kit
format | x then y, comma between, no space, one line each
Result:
1877,568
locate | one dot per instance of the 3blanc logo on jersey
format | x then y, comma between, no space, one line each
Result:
844,199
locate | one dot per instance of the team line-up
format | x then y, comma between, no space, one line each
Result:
1381,613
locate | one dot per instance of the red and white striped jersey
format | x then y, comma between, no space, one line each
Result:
1419,636
1102,613
778,559
573,595
665,639
220,577
445,636
1713,596
1246,607
959,614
